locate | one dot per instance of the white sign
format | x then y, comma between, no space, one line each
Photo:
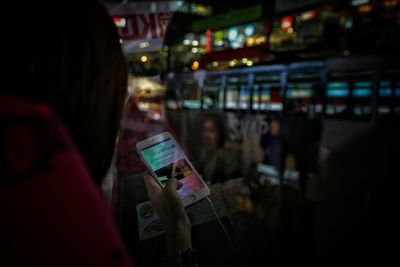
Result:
142,25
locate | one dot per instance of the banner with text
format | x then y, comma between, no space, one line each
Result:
142,25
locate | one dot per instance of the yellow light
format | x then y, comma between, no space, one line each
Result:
346,53
186,42
143,59
249,63
195,50
232,63
260,40
244,60
215,64
365,9
195,65
199,9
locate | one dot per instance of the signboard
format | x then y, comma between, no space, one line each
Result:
142,25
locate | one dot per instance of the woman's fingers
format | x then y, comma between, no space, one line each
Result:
173,184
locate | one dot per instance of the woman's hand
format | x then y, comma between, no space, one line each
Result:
172,214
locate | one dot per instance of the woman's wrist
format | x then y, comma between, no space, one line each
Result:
178,238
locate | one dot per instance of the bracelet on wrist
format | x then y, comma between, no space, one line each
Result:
182,259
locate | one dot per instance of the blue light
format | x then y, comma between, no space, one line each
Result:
265,92
245,92
233,34
364,92
385,92
337,93
265,87
385,84
362,84
333,85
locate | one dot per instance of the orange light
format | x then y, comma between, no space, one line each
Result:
390,3
261,39
365,9
250,41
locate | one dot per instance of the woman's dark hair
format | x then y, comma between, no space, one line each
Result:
69,57
219,126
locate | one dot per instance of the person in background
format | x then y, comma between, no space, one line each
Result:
272,144
211,161
62,92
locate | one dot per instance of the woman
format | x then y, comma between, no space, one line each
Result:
63,87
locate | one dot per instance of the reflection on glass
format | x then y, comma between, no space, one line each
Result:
212,93
190,92
337,94
232,96
245,97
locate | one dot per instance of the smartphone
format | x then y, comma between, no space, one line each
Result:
165,159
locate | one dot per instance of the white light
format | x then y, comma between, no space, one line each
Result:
359,2
286,24
249,30
195,43
144,44
120,41
232,63
235,45
156,116
244,60
276,106
308,15
144,106
195,50
249,63
215,64
179,3
186,42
